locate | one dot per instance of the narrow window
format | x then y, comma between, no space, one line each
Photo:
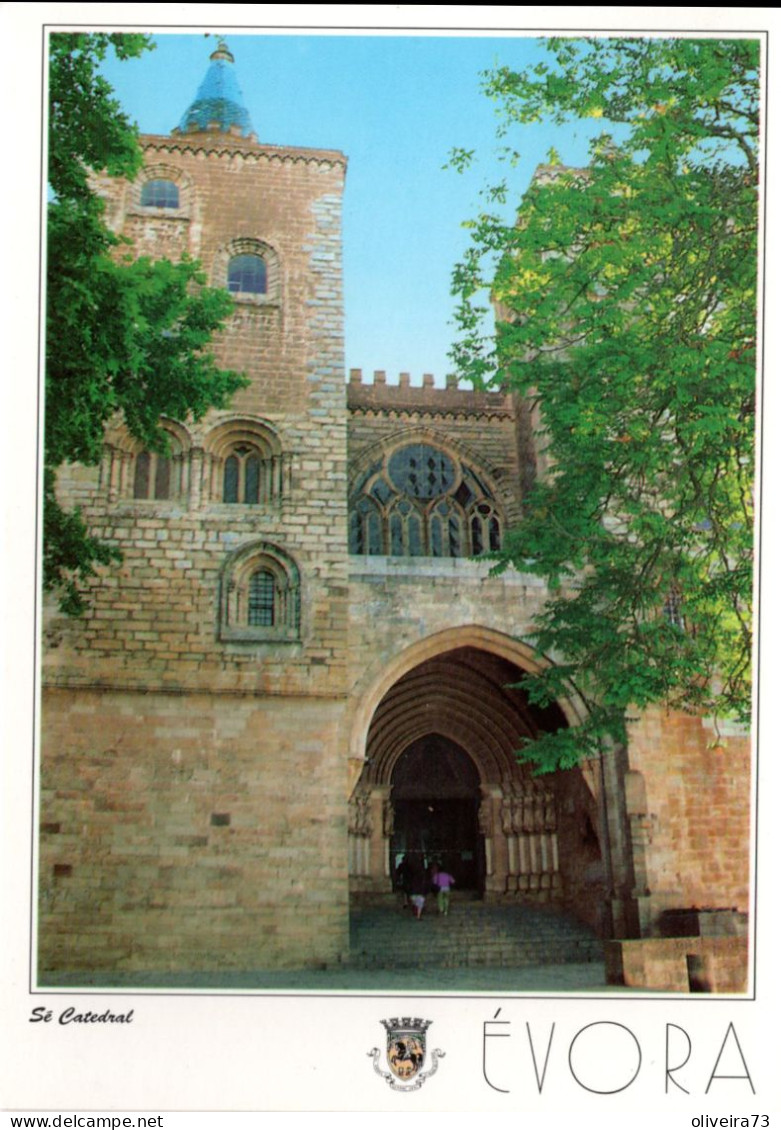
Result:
141,477
415,546
397,538
673,610
493,533
252,479
163,477
261,600
230,482
477,535
375,534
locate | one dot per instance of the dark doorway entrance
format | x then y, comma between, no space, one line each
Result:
436,797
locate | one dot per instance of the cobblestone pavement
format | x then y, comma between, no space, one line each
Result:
545,979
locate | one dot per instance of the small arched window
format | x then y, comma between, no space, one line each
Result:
160,194
247,275
260,596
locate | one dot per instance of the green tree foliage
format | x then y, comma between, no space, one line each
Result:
626,301
124,335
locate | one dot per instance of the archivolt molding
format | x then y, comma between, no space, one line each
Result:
118,436
283,620
220,438
372,689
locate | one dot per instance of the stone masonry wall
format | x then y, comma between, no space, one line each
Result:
191,832
689,808
397,601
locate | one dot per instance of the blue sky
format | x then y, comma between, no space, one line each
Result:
396,105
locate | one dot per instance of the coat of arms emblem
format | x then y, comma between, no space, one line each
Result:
405,1053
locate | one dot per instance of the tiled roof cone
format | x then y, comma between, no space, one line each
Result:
219,103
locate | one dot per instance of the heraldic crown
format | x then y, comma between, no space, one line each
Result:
405,1024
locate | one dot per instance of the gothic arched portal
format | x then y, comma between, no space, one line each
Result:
442,777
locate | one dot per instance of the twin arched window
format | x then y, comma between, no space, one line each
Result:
241,475
152,476
243,464
248,465
420,501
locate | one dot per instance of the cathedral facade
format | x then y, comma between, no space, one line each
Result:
302,669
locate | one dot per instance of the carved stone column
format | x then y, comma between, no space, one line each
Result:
490,828
196,484
530,832
382,825
359,828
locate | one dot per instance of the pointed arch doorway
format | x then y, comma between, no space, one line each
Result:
452,723
435,787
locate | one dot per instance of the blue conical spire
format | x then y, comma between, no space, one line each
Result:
219,103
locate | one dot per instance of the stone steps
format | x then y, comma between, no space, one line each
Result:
473,934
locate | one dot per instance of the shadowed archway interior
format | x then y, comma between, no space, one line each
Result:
436,800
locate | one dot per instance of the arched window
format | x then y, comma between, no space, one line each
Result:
247,275
419,500
246,464
160,194
484,528
259,599
250,270
152,476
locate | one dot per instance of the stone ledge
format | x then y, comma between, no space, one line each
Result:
679,965
362,567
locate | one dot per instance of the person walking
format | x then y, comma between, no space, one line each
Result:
419,886
443,881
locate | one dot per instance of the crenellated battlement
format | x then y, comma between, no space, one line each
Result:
377,393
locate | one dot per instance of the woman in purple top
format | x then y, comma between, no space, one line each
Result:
443,882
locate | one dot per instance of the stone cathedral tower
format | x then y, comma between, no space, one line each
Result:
208,682
302,669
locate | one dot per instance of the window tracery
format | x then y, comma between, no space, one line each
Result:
419,500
